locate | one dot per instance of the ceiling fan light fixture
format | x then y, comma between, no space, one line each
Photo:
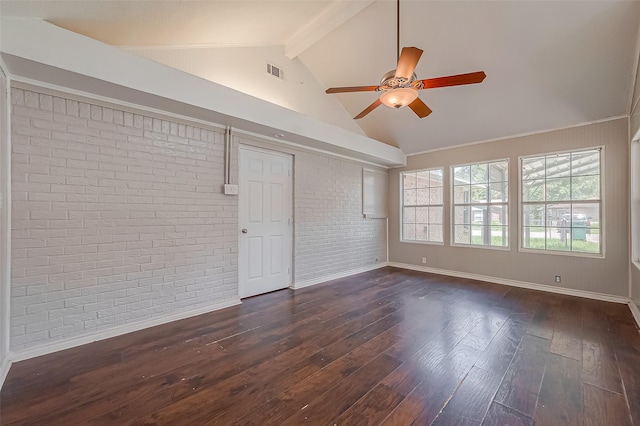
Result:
398,97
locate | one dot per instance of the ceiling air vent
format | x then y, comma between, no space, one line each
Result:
275,71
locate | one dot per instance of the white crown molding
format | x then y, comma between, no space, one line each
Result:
306,283
520,135
60,345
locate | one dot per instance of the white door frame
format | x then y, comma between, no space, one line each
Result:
290,237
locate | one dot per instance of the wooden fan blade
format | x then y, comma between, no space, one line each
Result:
454,80
351,89
420,108
368,109
407,62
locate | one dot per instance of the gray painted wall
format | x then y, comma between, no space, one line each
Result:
609,275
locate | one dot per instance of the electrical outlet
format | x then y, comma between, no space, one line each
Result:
558,279
424,260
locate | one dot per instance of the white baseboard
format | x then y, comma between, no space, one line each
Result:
514,283
116,331
318,280
635,311
5,365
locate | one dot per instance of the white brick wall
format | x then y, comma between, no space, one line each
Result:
119,217
330,232
116,218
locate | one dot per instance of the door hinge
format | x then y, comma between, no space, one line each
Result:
289,221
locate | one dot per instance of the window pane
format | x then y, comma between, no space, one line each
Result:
422,196
435,196
585,163
479,235
461,215
478,214
479,193
533,215
435,233
533,190
479,173
409,180
499,236
422,232
498,171
533,168
409,232
436,178
462,174
422,179
435,215
499,192
461,194
558,189
585,188
409,215
461,234
558,166
533,237
410,197
499,215
422,215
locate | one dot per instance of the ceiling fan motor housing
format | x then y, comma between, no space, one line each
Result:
389,81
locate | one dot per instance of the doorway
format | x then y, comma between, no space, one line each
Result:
264,221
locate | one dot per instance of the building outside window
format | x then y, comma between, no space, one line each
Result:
561,202
422,205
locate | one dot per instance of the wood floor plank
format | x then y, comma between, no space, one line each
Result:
628,361
520,386
471,400
599,365
560,401
389,346
603,407
498,355
332,404
499,415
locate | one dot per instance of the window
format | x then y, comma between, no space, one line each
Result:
561,202
422,205
480,204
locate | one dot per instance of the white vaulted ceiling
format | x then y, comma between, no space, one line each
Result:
549,64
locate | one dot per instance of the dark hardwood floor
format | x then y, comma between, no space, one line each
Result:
389,347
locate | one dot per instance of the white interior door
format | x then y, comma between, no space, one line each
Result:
265,228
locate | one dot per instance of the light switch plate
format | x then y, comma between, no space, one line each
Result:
230,189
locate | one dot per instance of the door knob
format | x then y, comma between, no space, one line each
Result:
244,231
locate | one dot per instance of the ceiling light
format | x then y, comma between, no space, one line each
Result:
399,97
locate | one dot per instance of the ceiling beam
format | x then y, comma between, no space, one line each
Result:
339,12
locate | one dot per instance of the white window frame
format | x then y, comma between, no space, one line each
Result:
453,205
402,206
602,232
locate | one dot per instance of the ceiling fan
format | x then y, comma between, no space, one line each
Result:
400,87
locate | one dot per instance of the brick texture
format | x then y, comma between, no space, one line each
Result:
119,217
331,234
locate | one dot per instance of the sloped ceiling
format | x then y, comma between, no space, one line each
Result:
549,64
